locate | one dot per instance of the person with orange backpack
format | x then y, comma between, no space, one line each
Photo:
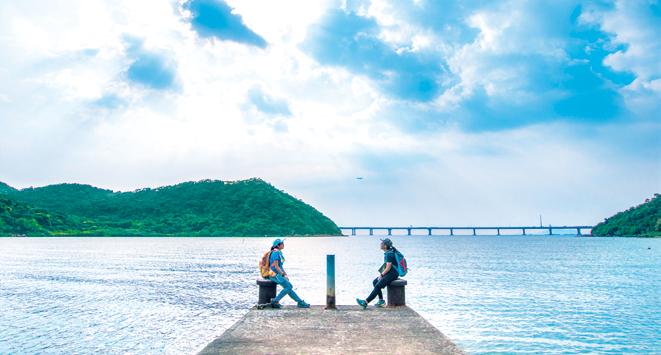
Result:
394,266
276,273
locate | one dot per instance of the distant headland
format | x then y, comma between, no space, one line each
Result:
643,220
243,208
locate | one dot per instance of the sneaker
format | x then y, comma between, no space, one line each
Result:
381,303
303,304
275,304
361,303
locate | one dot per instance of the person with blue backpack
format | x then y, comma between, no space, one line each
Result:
276,261
394,266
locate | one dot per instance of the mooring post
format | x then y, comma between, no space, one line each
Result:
330,281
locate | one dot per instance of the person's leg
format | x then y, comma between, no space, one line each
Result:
383,282
379,293
286,287
293,295
377,289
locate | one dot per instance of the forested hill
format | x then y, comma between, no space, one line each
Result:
640,221
4,188
204,208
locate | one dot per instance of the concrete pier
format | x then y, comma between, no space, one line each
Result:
346,330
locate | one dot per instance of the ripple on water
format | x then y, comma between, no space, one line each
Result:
174,295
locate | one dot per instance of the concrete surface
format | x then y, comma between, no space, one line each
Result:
347,330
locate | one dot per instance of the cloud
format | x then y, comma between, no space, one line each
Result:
530,105
348,40
502,65
148,68
266,103
214,18
109,102
635,27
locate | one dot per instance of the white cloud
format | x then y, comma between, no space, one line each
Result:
62,57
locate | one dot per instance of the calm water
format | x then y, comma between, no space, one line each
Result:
174,295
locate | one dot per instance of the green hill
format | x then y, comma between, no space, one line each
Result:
4,188
204,208
21,219
640,221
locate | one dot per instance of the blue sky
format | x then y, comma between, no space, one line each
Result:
453,112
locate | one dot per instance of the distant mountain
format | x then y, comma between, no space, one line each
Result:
204,208
643,220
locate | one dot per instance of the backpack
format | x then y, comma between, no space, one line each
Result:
265,265
401,266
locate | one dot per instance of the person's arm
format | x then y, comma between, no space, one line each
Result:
278,269
276,266
385,271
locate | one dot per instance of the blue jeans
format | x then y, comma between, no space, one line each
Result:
287,289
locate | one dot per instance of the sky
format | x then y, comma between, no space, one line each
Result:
407,112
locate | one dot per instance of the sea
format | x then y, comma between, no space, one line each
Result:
489,294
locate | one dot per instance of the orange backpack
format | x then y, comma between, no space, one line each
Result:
265,265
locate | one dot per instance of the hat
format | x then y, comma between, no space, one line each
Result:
277,242
387,242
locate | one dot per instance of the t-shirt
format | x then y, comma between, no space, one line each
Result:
276,255
389,257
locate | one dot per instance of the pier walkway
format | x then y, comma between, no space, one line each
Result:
346,330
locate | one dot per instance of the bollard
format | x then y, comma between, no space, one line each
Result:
267,290
397,293
330,281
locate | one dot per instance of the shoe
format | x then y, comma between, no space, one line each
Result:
361,303
381,303
275,304
303,304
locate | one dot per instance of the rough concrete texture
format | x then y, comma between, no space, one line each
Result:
347,330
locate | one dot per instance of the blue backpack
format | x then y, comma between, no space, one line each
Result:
401,266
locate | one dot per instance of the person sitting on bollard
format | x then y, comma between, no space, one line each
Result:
387,273
276,260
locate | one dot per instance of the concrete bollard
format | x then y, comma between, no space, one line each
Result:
397,293
267,290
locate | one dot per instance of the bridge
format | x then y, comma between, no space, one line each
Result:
471,230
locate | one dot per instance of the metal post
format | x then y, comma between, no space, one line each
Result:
371,231
451,231
428,231
474,234
330,281
578,231
353,231
389,231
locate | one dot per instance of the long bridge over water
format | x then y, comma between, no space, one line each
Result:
580,230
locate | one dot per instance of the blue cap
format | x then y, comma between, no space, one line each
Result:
276,242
